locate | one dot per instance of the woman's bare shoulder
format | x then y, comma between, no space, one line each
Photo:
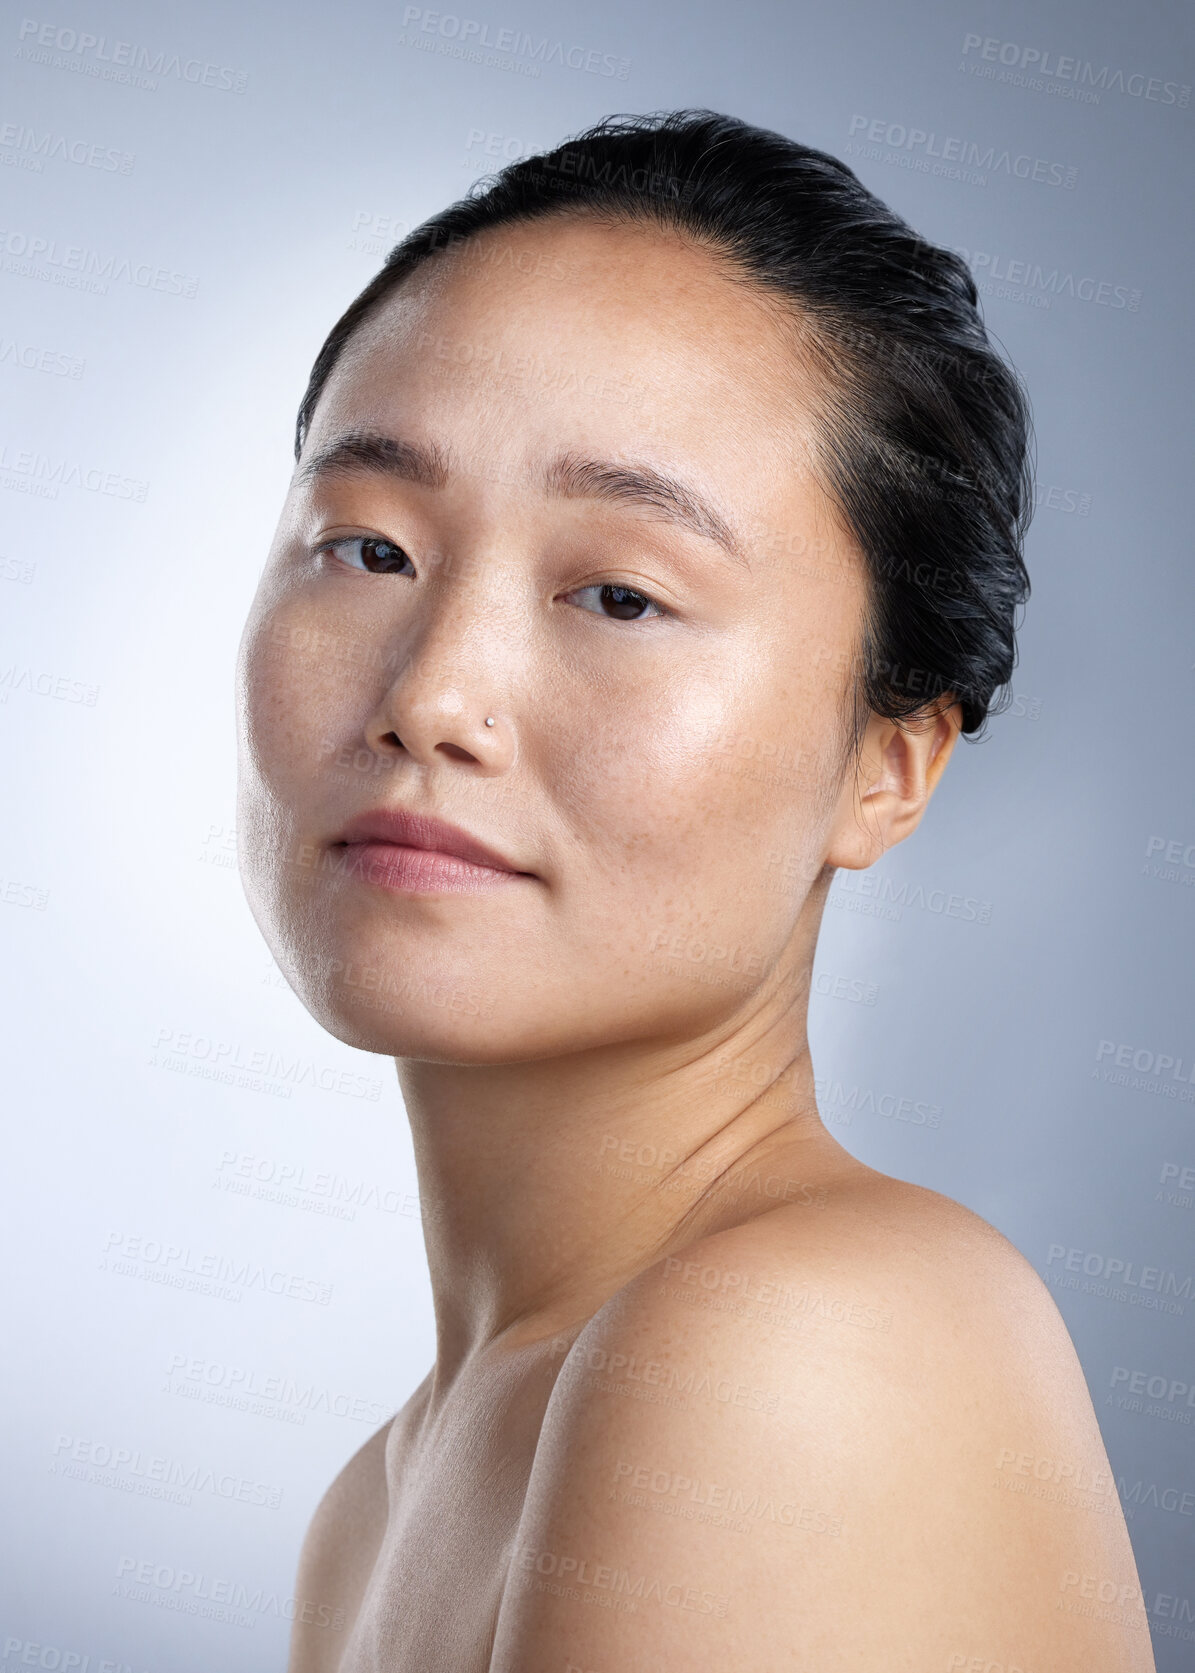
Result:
828,1428
873,1267
337,1555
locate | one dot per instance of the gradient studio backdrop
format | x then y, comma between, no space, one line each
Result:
192,196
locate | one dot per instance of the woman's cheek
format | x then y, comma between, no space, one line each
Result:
663,777
302,686
635,766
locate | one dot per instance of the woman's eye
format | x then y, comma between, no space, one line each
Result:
621,604
368,552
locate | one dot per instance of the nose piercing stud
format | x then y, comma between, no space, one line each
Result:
489,720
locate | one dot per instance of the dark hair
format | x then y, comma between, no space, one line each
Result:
927,432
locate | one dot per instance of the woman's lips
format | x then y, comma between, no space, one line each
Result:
422,870
417,853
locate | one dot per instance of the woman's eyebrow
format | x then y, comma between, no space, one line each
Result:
568,475
367,452
574,477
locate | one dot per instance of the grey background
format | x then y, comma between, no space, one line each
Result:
237,174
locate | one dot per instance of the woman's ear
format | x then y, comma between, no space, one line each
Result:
888,785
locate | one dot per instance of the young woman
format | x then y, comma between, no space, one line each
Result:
655,532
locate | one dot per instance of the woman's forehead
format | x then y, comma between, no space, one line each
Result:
665,354
641,299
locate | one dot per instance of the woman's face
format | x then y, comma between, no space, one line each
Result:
665,768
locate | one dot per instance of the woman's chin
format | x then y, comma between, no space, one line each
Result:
414,1027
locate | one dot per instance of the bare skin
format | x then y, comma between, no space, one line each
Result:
708,1391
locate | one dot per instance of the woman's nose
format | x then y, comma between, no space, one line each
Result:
451,697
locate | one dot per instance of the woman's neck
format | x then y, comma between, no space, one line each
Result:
546,1186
